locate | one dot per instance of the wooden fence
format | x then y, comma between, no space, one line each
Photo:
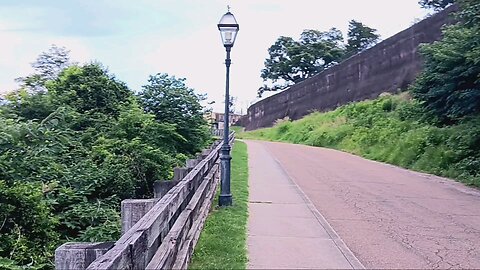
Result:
217,132
158,233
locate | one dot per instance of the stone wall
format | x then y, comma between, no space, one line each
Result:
390,66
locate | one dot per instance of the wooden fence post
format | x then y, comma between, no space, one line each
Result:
205,153
78,256
179,173
160,188
133,210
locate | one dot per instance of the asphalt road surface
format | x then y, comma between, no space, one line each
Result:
387,216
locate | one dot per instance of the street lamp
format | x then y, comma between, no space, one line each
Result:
228,27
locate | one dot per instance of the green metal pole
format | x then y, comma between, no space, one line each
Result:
225,198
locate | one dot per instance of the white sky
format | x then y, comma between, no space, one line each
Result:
137,38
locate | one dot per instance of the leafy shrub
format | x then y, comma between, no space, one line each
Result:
27,224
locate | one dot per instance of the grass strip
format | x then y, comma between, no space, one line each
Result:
222,244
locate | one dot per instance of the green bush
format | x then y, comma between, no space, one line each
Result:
27,224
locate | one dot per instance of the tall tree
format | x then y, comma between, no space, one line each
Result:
360,37
47,67
90,89
435,4
292,61
171,101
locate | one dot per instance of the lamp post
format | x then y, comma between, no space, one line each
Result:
228,27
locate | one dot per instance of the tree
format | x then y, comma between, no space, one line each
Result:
292,61
435,4
449,86
91,89
47,67
171,101
360,37
88,89
28,105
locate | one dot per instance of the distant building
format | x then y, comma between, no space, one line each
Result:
216,120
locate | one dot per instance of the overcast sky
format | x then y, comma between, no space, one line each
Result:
137,38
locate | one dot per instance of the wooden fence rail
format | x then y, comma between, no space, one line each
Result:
158,233
217,132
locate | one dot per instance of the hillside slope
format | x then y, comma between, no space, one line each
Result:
390,129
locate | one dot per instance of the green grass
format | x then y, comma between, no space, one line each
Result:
237,129
390,129
222,244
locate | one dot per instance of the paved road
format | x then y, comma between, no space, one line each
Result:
387,216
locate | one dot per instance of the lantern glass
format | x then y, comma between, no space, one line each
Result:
228,27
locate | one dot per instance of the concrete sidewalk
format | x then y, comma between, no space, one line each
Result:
284,228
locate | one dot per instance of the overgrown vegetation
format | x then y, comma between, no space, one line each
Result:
222,244
391,129
72,146
449,86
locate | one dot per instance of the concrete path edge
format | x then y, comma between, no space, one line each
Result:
347,253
